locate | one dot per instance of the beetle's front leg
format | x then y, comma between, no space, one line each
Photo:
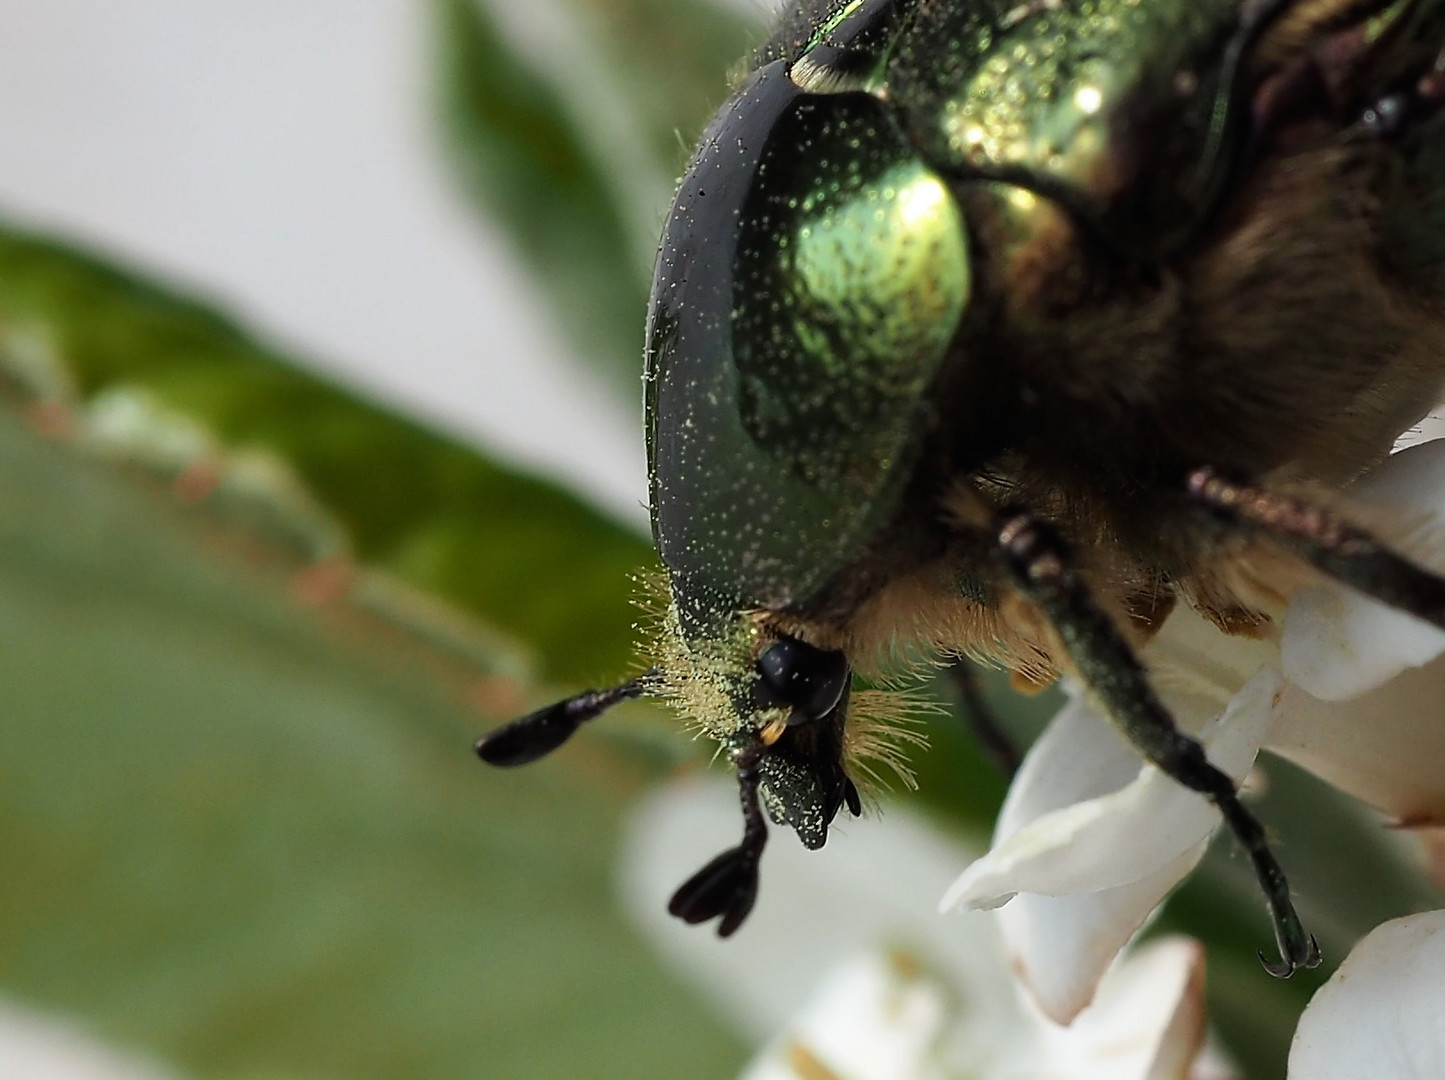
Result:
728,885
1038,562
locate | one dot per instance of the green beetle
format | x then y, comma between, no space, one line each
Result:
996,329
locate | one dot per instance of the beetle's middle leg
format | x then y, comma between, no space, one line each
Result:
1332,545
1038,562
996,743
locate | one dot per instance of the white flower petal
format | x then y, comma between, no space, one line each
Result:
874,1017
1191,656
1061,946
1382,1014
1411,481
39,1046
1428,428
875,881
1080,756
1214,1064
1337,643
1119,838
1386,747
1147,1023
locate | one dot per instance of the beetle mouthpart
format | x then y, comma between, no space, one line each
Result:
773,730
537,734
851,799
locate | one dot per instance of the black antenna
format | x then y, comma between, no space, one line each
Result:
726,888
537,734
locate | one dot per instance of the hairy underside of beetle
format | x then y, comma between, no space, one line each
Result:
700,681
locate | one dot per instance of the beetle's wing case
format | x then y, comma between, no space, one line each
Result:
811,277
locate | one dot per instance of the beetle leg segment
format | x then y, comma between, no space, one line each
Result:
995,743
1038,562
728,885
1344,551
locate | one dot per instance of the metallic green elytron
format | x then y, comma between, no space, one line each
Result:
996,329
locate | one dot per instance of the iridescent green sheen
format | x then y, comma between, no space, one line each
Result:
1072,98
853,275
812,278
1049,91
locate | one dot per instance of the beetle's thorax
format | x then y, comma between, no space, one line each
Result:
1106,108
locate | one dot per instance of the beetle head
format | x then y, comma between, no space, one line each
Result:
755,689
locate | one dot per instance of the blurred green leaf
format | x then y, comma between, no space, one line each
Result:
164,383
569,125
254,841
238,811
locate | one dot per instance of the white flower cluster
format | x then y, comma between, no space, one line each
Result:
1088,844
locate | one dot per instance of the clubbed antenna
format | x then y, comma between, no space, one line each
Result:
537,734
726,888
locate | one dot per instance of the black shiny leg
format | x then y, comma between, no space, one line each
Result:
982,723
1038,561
1343,551
728,885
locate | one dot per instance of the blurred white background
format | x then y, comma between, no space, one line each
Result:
283,159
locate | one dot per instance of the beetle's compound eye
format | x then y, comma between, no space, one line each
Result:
797,675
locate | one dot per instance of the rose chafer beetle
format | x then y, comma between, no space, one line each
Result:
997,328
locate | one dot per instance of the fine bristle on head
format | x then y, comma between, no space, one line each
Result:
537,734
699,678
883,724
